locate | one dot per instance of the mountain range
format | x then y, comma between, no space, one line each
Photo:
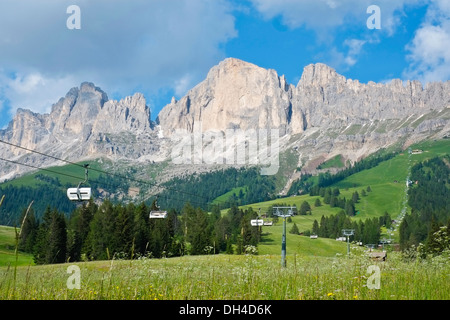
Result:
323,116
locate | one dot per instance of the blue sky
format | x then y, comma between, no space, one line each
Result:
163,48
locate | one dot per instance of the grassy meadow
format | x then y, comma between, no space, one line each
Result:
7,249
317,269
232,277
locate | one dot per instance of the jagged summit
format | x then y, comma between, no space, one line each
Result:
235,94
238,94
83,123
319,74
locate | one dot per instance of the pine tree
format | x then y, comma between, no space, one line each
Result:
371,233
349,208
315,228
51,240
305,208
239,245
124,229
57,246
333,201
102,237
336,192
229,247
317,203
198,234
294,229
28,232
404,233
222,233
327,197
78,230
42,239
355,197
141,229
323,229
438,239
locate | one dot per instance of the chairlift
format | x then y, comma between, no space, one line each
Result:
80,194
157,214
257,222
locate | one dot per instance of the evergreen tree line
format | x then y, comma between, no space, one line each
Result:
305,183
209,186
331,197
107,231
19,197
326,179
429,198
50,191
367,232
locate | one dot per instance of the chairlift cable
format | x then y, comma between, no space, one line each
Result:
43,169
39,168
109,173
80,178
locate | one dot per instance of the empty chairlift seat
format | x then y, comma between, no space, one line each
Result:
158,214
79,194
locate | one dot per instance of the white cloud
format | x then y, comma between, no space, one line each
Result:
32,91
329,14
327,18
122,46
344,57
355,46
429,51
183,85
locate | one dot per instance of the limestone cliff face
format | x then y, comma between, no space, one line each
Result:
86,111
83,124
322,95
27,129
130,114
237,94
234,95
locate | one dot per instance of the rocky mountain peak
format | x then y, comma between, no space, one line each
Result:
78,118
235,95
319,74
131,114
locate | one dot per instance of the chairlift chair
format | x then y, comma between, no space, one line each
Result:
80,194
258,222
157,214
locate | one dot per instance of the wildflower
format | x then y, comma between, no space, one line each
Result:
330,294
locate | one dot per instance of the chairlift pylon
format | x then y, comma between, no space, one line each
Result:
157,214
80,194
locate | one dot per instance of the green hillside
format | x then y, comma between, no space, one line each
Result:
66,174
7,249
297,244
387,182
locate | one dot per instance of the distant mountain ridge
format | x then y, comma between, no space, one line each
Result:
324,115
240,94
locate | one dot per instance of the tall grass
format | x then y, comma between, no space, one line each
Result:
228,277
